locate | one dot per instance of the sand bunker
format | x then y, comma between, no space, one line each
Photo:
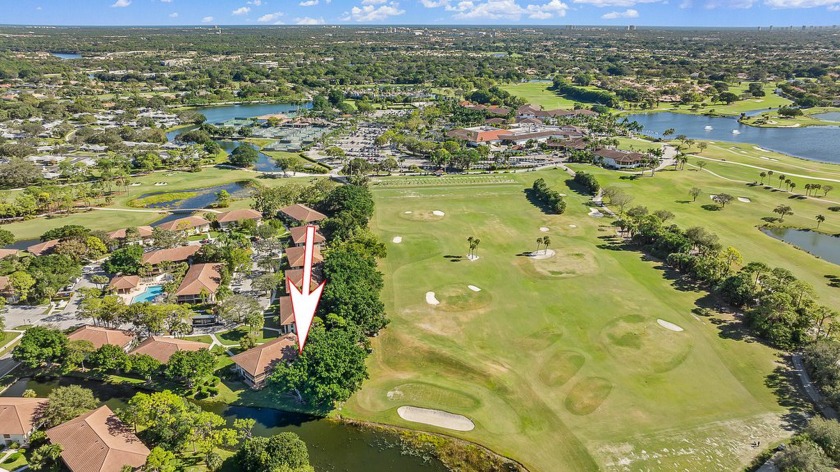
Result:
408,212
472,257
744,199
669,325
543,229
572,226
397,239
438,213
437,418
593,212
473,288
712,196
430,298
542,254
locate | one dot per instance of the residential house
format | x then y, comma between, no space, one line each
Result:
143,232
256,364
175,254
4,253
7,291
162,348
99,336
191,225
200,284
123,284
286,316
98,441
296,255
42,249
236,216
19,418
298,234
301,213
295,277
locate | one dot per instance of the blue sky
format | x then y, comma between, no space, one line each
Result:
433,12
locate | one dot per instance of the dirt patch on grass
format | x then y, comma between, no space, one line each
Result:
461,298
422,215
561,367
587,395
640,343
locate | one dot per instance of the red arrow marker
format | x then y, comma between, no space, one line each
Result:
305,302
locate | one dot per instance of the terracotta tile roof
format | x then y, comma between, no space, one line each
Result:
201,277
124,282
181,224
101,336
296,254
144,231
8,252
298,234
303,213
295,277
98,442
4,282
239,215
175,254
287,315
18,414
261,359
162,348
42,248
623,157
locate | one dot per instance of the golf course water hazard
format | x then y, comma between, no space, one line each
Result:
821,245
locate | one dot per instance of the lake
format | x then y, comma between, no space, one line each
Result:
65,56
821,245
219,114
817,143
204,198
332,446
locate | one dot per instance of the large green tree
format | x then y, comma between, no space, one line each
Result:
40,345
284,452
66,403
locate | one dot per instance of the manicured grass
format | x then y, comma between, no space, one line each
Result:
234,336
768,101
773,120
538,93
561,363
14,464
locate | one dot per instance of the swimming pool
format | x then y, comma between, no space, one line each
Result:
148,295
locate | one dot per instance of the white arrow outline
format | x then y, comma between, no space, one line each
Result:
304,302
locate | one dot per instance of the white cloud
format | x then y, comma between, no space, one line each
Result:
270,17
309,21
489,10
241,11
308,3
174,14
165,1
548,10
833,5
256,3
373,2
434,3
712,4
614,3
207,19
614,15
121,4
38,8
369,13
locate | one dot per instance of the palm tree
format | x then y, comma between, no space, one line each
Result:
473,246
470,243
807,189
701,164
762,175
781,180
546,243
820,219
539,243
792,186
783,210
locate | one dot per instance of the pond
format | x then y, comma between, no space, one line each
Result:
821,245
332,446
817,143
264,162
204,198
830,116
65,56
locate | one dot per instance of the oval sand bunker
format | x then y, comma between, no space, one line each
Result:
542,254
438,213
473,288
430,298
669,325
397,239
437,418
543,229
